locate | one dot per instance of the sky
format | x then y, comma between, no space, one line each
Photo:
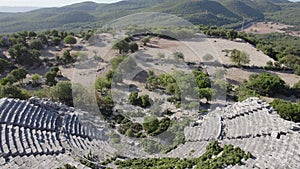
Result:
50,3
47,3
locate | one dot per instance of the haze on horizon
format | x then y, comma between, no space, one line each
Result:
47,3
51,3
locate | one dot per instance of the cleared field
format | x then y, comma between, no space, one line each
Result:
269,27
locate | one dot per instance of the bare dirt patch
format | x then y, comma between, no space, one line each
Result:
269,27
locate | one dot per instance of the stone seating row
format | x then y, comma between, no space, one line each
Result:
21,113
209,129
19,141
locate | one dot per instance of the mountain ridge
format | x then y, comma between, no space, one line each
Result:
229,13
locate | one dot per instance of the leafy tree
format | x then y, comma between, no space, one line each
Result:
145,101
206,93
19,74
244,93
178,55
55,69
202,79
266,84
122,45
43,39
62,92
70,40
32,34
146,40
231,34
12,91
36,44
36,78
67,58
133,47
239,57
287,110
50,78
134,98
8,80
21,55
3,64
150,125
54,33
56,41
102,84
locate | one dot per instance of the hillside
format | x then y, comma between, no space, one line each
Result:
228,13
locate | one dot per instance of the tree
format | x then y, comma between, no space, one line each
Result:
67,58
151,124
70,40
62,92
36,78
266,84
50,78
21,55
133,47
287,110
56,41
146,40
19,74
231,34
122,46
36,44
134,98
3,64
32,34
54,33
239,57
11,91
206,93
145,101
43,39
55,69
102,85
178,55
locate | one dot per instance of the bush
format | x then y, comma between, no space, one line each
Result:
70,40
178,55
142,101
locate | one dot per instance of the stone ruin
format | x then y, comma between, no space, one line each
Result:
253,126
43,134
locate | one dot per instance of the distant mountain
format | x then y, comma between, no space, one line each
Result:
10,9
78,16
